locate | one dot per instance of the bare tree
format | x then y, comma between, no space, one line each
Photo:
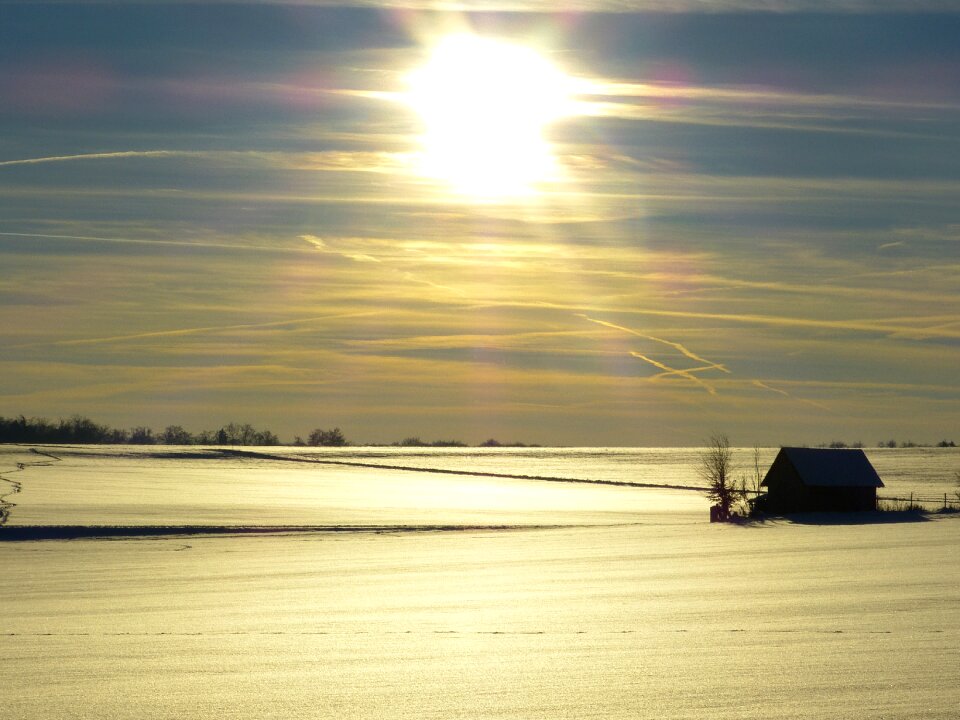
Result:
329,438
175,435
757,477
716,470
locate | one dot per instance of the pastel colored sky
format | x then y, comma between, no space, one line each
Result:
215,212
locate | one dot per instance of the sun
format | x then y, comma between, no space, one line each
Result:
484,104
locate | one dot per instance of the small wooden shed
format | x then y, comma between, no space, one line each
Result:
816,480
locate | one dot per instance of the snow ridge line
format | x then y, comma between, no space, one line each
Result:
474,473
19,533
7,505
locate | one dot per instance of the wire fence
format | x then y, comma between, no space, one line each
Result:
945,501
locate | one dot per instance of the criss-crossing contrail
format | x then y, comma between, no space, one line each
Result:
685,373
674,371
669,343
690,373
669,373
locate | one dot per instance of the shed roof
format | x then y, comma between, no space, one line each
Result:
821,467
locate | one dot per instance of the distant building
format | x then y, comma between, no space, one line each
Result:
815,480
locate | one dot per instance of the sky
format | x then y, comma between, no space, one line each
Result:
738,217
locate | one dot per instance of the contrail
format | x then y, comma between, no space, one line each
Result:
688,373
103,156
771,389
776,321
189,244
673,371
321,245
815,404
198,330
668,373
667,370
676,346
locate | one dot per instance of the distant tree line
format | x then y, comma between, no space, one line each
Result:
890,444
81,430
496,443
417,442
911,444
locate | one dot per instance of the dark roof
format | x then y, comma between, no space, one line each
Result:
819,467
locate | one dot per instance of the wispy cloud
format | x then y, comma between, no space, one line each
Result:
535,341
762,107
332,160
859,326
838,287
390,264
323,247
201,330
242,224
600,6
160,242
755,96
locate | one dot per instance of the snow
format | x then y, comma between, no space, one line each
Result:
665,616
160,486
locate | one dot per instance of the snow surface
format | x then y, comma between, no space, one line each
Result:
163,486
665,616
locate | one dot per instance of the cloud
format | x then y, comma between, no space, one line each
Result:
761,107
238,246
323,247
598,6
861,386
859,326
201,330
754,96
347,161
833,289
331,161
531,340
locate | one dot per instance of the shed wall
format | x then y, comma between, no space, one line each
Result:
786,492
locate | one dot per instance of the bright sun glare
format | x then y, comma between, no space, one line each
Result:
484,104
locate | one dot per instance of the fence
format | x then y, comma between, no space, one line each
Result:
944,501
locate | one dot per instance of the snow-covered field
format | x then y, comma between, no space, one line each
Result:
189,486
625,609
